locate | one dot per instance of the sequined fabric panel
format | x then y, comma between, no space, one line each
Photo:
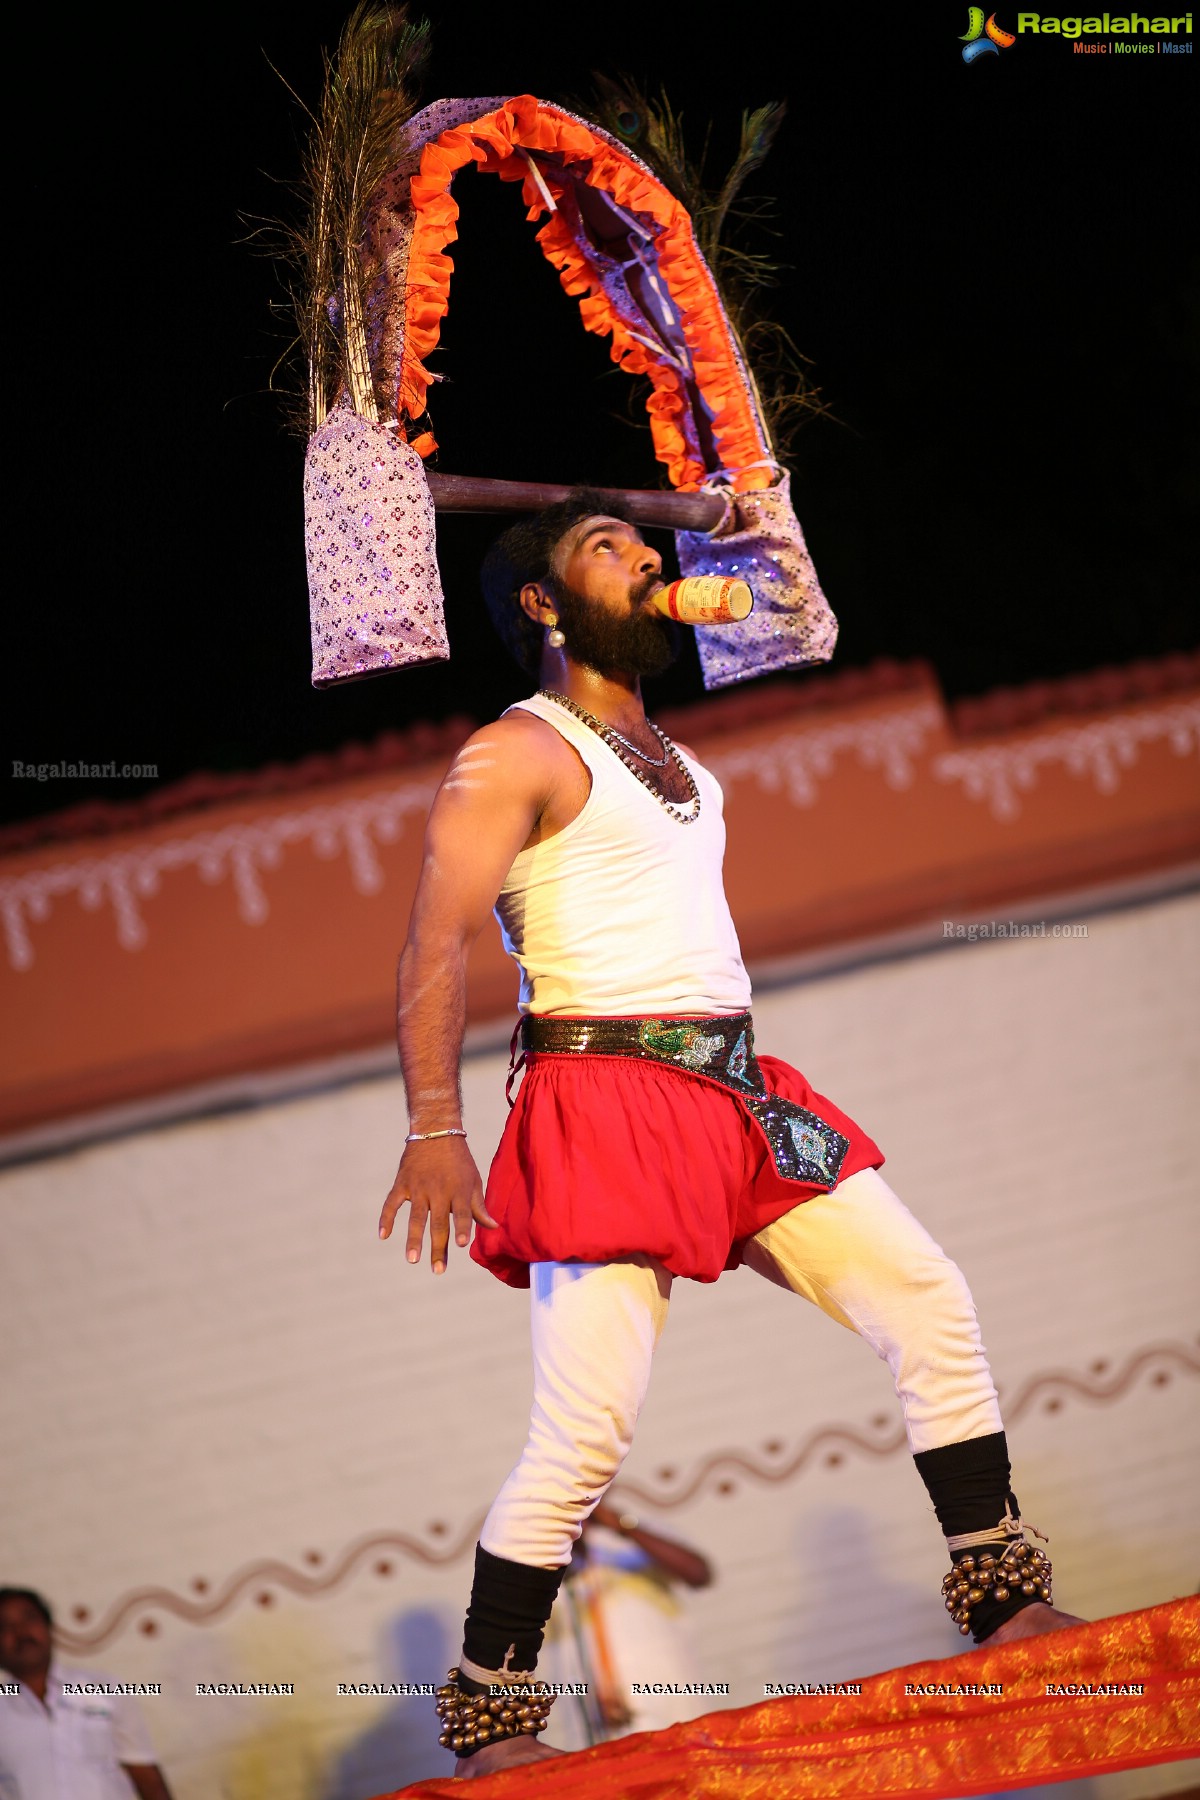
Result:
792,623
439,116
389,240
375,594
803,1146
722,1048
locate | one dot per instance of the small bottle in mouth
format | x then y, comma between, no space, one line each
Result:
705,600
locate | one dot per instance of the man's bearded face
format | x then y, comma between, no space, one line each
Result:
641,643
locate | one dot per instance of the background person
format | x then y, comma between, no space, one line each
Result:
64,1746
620,1620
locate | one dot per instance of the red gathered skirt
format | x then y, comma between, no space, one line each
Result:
606,1156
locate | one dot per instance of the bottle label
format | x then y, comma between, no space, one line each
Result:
705,600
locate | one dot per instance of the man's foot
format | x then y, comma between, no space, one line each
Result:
509,1753
1032,1621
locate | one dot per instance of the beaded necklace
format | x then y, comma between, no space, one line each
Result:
655,762
608,735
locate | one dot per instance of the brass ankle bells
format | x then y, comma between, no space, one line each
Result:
1020,1569
469,1721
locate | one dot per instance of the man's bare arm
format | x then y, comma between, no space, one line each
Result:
484,812
148,1779
676,1560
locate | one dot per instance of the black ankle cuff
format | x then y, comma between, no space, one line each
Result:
968,1482
506,1620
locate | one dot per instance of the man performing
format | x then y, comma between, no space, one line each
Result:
649,1140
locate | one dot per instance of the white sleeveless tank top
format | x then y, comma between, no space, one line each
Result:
623,911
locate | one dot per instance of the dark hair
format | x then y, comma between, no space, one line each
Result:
523,554
28,1595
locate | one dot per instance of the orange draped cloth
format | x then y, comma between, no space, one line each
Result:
1053,1720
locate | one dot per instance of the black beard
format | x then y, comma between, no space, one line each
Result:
645,644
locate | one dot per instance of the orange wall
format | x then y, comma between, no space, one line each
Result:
262,931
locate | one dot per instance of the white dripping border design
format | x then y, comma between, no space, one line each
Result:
794,762
1000,773
244,851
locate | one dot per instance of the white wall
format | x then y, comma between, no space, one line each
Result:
212,1364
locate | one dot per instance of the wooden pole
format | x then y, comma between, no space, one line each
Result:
646,506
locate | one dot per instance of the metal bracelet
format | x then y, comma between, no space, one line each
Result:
417,1137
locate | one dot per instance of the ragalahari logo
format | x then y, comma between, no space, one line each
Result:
982,39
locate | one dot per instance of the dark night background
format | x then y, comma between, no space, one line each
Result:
991,269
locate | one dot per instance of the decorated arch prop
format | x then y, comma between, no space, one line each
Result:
625,249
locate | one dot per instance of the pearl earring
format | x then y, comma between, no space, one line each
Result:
555,638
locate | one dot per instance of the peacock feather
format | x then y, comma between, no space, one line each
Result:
653,130
371,88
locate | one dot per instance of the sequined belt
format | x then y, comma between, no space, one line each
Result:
719,1049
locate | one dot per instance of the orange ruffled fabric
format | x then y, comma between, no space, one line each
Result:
885,1744
494,142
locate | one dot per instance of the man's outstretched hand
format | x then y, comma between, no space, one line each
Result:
438,1181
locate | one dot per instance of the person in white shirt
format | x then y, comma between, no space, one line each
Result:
619,1629
65,1734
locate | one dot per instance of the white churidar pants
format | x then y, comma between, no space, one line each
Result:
856,1252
